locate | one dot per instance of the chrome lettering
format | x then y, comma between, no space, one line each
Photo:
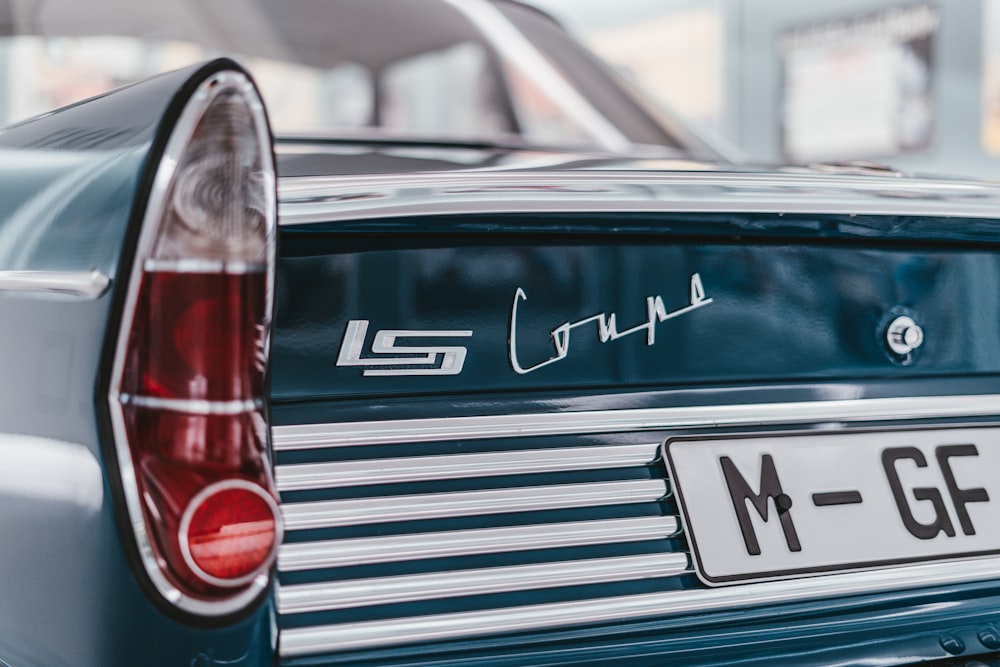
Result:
392,359
607,325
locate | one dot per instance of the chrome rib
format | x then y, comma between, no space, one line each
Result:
395,548
304,476
353,636
476,617
347,434
82,284
385,509
436,585
192,406
321,199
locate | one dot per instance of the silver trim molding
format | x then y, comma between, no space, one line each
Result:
192,406
368,634
350,434
304,476
326,596
331,595
318,199
397,548
81,284
202,266
386,509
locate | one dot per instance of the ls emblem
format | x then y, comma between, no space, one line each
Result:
391,359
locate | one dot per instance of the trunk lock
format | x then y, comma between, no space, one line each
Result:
903,335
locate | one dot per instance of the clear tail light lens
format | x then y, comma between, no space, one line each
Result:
188,397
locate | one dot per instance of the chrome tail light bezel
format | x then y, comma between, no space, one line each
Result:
175,134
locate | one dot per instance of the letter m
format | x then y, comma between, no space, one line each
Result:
770,488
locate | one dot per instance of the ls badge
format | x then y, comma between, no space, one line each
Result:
392,359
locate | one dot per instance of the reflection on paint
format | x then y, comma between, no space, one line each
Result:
50,470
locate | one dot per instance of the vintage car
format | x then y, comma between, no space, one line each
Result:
567,389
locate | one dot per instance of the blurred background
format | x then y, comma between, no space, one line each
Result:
916,85
912,84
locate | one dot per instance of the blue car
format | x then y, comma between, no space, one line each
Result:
516,373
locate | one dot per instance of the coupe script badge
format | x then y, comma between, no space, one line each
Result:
607,325
390,359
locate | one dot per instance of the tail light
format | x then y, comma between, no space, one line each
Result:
188,391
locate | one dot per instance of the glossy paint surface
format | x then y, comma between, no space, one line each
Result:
537,313
68,179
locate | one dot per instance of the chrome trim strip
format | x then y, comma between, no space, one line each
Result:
306,200
192,406
356,209
436,585
396,548
291,188
367,634
202,266
387,509
82,284
349,434
303,476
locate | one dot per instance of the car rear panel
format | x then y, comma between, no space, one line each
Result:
501,494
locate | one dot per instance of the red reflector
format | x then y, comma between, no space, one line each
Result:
229,532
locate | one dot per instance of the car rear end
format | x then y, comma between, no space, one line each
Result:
691,418
509,415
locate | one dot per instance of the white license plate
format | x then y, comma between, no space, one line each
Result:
760,507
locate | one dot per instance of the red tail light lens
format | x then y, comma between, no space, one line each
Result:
198,336
228,532
189,403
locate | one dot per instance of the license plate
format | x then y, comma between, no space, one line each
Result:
759,507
